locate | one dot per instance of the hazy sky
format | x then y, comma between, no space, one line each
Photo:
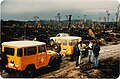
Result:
48,9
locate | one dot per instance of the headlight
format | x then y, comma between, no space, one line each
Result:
11,64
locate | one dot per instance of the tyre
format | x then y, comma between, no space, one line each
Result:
55,64
56,47
19,74
51,42
30,71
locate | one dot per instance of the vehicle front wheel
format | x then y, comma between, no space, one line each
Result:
55,65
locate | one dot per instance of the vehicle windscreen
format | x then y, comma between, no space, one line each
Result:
9,51
70,43
65,42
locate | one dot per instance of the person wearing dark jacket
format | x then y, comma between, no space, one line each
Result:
96,49
3,61
0,62
77,53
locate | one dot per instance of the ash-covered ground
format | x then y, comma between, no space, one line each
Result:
109,66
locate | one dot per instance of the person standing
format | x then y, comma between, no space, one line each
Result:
0,63
81,49
3,62
96,49
90,54
77,53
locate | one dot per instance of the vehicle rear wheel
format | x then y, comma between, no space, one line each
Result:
19,74
30,71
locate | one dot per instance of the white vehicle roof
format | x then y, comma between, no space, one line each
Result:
25,43
67,37
62,35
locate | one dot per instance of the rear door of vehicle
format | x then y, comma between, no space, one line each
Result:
10,52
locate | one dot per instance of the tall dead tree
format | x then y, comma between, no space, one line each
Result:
59,17
104,23
108,14
117,15
67,17
104,19
35,18
100,25
69,25
78,21
113,21
85,20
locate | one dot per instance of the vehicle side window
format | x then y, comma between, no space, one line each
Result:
74,42
70,43
41,49
30,51
19,52
58,35
59,42
65,42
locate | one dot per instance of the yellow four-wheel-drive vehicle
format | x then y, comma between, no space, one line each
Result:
66,45
27,56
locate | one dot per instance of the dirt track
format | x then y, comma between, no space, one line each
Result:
109,66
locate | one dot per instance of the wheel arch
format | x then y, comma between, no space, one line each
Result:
54,58
29,66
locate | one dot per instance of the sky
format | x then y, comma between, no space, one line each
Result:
48,9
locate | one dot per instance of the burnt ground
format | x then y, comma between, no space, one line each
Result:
109,66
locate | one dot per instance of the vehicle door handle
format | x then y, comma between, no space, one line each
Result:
38,58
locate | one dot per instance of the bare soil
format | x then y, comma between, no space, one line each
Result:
109,66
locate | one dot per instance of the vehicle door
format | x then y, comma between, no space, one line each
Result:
70,47
30,56
42,56
10,52
64,46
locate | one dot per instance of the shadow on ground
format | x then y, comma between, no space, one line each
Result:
108,68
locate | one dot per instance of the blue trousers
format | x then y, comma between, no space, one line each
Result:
90,56
77,60
95,61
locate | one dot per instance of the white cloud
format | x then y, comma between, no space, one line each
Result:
47,6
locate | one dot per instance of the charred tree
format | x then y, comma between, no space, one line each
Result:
69,25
